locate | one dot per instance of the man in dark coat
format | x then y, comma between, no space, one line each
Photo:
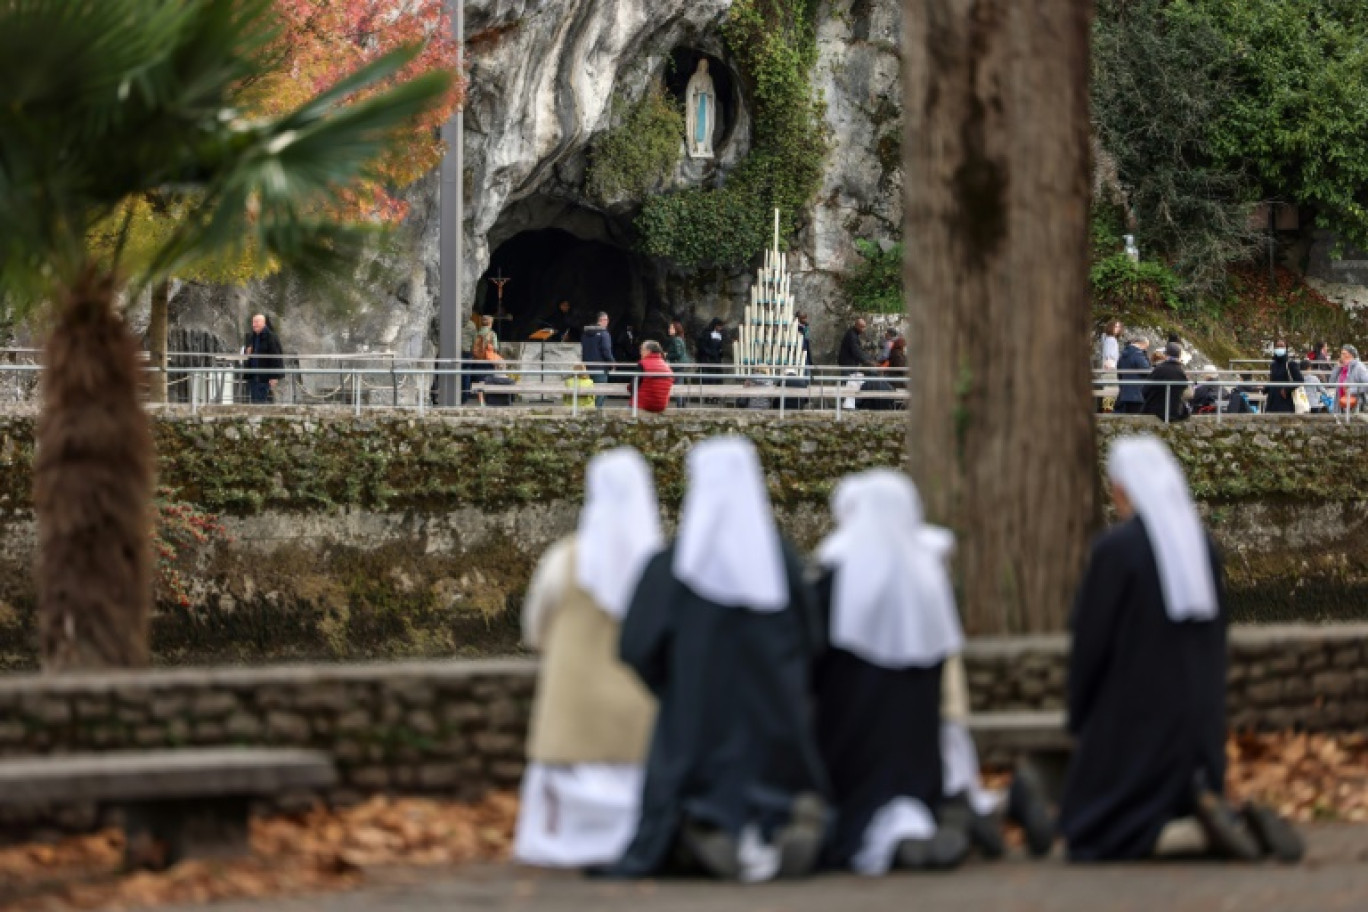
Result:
596,351
1132,363
805,331
710,346
852,353
1147,675
263,352
1171,391
562,323
723,631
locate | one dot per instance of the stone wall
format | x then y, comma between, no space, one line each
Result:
394,536
457,728
1308,677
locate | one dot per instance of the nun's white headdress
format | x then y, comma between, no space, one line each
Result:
728,549
892,601
619,528
1155,486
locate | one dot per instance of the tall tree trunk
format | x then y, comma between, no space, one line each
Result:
996,175
92,489
156,341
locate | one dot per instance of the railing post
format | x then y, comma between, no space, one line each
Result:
356,392
634,396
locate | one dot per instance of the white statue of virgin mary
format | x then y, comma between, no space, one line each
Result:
700,103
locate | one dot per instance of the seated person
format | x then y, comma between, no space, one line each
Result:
1147,679
581,386
591,718
653,391
760,379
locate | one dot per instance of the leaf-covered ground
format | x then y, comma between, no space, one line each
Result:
1306,777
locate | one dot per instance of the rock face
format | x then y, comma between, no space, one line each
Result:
546,78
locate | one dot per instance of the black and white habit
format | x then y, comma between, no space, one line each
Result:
892,623
723,630
1147,674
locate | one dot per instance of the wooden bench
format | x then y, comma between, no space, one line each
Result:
176,804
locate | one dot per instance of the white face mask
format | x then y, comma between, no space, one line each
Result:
1279,352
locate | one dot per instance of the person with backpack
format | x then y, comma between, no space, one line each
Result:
485,345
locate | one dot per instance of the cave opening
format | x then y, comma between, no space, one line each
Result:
548,265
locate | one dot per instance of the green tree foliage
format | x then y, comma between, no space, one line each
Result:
637,155
876,285
1159,90
775,44
103,104
1210,106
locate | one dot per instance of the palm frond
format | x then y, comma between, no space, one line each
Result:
105,100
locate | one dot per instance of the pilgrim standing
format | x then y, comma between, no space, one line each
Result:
1147,677
892,624
723,630
591,719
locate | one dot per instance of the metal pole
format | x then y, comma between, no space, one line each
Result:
451,236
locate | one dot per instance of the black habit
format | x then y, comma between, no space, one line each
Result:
1146,703
879,733
733,741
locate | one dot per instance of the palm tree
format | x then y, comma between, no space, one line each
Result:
103,102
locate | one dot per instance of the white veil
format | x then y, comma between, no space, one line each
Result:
728,549
1155,486
892,601
619,528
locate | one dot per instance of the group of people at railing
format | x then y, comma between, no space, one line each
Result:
720,705
1158,384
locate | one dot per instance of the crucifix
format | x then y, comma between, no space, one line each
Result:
499,281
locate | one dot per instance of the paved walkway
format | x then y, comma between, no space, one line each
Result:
1334,877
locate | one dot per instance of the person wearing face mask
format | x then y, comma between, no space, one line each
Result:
1283,370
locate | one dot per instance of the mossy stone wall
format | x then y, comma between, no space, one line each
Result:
397,535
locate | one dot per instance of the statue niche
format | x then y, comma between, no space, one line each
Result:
700,108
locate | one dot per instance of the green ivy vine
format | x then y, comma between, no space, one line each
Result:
637,155
774,43
876,285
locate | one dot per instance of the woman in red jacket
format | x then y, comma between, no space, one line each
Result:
653,392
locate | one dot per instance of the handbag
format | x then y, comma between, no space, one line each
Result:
1301,403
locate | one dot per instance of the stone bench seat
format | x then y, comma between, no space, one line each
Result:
176,804
1039,740
1020,732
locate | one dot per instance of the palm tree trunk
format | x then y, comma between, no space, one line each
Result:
156,341
92,489
996,175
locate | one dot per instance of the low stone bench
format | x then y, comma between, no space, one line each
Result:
176,804
1040,740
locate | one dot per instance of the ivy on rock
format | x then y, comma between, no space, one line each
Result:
774,42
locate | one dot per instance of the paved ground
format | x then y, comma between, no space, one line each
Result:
1334,877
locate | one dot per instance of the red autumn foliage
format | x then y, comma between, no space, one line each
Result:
321,41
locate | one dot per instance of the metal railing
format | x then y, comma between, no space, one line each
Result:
382,380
